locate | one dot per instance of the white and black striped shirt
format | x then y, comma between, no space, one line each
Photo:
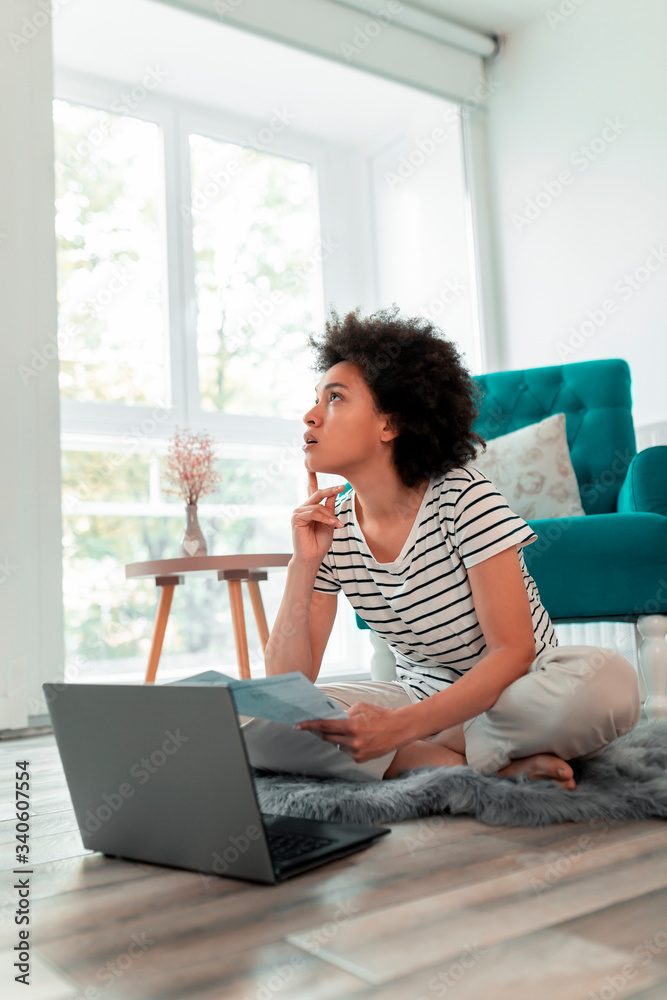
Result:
421,603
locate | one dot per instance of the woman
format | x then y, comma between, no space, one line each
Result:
429,553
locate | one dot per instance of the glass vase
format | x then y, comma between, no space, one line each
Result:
193,542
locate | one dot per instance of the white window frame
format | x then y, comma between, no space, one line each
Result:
176,119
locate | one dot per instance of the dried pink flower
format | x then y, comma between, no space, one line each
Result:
191,466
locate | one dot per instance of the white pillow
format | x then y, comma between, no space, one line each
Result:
532,469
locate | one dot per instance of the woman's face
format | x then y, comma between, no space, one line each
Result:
345,428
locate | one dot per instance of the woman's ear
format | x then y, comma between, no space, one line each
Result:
389,431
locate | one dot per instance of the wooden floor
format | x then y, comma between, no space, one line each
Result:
440,907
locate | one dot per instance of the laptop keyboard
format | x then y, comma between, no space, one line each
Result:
286,847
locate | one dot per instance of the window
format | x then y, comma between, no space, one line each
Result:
192,262
254,224
422,216
110,230
249,225
116,513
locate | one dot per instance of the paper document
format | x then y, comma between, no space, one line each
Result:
283,698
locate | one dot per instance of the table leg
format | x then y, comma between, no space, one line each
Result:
258,609
163,608
238,621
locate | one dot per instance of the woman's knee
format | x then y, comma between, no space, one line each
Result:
625,686
576,701
572,689
605,684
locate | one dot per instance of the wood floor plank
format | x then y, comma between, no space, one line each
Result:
530,836
656,992
79,873
115,902
560,838
46,983
46,773
638,924
377,883
41,825
39,771
410,836
38,797
51,777
49,802
51,848
83,913
196,970
548,964
404,937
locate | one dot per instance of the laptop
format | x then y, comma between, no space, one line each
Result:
160,773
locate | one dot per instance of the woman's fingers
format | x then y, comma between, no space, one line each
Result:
314,510
337,728
316,494
327,492
316,513
340,732
327,509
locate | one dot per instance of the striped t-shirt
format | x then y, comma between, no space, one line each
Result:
421,603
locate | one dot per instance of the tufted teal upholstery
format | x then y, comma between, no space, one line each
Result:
595,398
612,564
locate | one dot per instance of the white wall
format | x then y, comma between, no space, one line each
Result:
31,620
559,85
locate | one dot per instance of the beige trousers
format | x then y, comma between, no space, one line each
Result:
573,701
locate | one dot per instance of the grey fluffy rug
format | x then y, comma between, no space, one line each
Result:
628,780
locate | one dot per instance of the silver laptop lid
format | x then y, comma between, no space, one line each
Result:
160,774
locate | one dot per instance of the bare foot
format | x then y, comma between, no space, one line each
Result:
542,765
422,753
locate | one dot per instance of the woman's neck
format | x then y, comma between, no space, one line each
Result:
382,505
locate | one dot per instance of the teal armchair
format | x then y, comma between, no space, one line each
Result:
612,564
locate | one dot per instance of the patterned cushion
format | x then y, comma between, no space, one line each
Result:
531,467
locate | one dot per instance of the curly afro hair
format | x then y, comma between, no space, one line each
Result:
417,377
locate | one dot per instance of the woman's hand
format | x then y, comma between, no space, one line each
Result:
369,731
313,523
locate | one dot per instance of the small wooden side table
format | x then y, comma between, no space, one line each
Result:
169,573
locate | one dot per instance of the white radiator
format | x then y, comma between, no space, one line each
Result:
619,636
651,434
